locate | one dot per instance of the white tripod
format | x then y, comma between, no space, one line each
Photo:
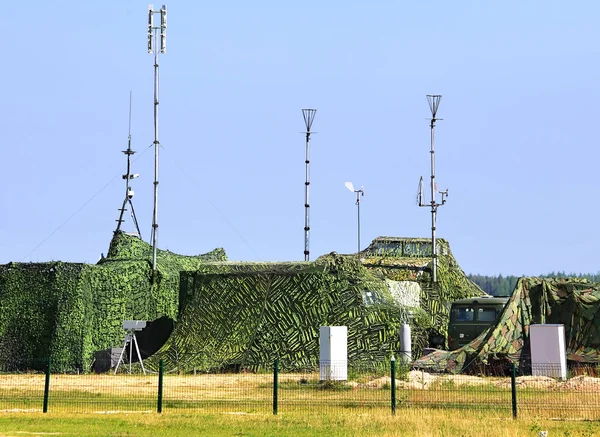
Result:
131,326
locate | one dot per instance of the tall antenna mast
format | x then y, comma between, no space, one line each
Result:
153,34
128,177
309,116
434,103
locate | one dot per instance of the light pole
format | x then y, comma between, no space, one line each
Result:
434,103
359,193
153,34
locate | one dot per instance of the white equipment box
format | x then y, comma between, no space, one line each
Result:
333,353
548,353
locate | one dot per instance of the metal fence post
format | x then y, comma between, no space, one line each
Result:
161,374
275,385
47,388
393,385
513,386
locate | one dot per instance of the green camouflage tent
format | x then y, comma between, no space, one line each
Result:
406,263
67,311
574,303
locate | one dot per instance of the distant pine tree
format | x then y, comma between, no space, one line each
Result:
504,285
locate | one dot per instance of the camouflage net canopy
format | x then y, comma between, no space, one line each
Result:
226,313
408,260
249,314
574,303
66,311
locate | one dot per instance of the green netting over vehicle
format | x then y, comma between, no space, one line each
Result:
574,303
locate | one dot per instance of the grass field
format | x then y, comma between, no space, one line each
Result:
242,405
423,423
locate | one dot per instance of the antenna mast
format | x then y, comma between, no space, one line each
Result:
309,116
434,103
128,177
153,34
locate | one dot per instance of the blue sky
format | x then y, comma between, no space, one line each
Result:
518,146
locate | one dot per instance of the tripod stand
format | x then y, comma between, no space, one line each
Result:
130,340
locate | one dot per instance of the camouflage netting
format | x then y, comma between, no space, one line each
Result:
249,314
66,311
574,303
409,259
226,313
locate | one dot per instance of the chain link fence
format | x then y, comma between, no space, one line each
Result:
380,388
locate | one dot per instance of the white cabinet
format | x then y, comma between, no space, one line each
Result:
333,353
548,353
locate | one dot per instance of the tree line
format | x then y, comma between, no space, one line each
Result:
504,285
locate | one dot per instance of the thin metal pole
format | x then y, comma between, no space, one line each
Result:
156,145
358,221
47,388
137,348
161,373
513,386
393,385
130,350
433,203
275,386
434,102
306,204
309,116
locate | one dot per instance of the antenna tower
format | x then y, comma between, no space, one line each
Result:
153,35
309,116
434,103
128,177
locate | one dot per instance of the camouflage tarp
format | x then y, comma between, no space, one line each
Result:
573,303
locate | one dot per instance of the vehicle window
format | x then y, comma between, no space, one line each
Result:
486,314
462,314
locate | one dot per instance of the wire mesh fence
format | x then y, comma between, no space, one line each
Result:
270,389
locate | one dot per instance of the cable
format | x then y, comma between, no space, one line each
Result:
217,209
78,210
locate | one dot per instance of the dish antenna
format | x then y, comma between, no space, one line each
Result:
434,103
359,194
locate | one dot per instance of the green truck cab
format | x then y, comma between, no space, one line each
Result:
470,317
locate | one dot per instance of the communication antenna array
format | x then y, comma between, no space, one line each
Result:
153,35
434,103
309,116
128,177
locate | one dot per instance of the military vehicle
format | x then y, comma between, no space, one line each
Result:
470,317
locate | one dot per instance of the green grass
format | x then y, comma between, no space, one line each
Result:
422,423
